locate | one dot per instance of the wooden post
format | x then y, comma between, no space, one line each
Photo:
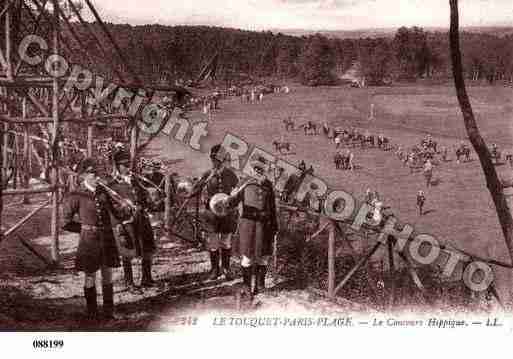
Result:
275,253
167,211
8,44
26,151
15,162
5,150
392,272
54,142
133,143
331,261
196,216
90,137
1,188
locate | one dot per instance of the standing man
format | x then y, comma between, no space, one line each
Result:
257,227
337,141
219,179
96,248
421,199
134,226
253,95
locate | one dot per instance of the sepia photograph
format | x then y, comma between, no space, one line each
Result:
235,169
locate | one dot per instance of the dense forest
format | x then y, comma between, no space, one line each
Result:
169,53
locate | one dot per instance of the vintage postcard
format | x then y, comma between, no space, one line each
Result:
221,174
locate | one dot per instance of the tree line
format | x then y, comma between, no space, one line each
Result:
179,52
169,53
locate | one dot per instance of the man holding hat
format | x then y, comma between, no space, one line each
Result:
219,179
134,227
97,248
257,226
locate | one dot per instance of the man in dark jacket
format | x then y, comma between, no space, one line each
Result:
258,225
97,248
134,227
219,179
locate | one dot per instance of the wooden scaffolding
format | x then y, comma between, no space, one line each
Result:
36,106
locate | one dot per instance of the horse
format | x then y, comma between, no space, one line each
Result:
280,146
289,124
368,139
462,151
357,140
310,128
429,144
383,143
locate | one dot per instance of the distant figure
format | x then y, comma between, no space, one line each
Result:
351,161
261,97
326,129
444,153
421,199
371,117
337,141
428,172
253,96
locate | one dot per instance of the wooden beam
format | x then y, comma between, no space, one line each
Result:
411,270
112,40
97,40
54,141
90,140
47,120
24,191
40,107
8,44
32,250
331,262
6,7
356,267
133,145
14,228
392,273
169,198
26,151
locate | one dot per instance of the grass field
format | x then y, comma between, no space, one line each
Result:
461,212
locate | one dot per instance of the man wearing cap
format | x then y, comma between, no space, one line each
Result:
221,179
96,248
257,225
134,227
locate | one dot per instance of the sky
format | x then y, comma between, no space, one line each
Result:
305,14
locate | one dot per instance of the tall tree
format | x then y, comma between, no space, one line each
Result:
492,180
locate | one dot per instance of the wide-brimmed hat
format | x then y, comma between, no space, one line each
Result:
121,158
87,165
